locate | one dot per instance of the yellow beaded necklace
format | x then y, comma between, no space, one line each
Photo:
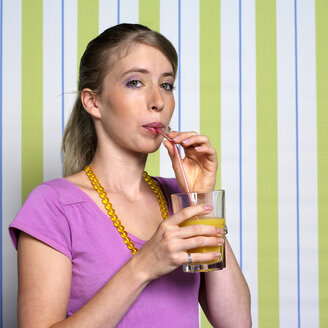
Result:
111,212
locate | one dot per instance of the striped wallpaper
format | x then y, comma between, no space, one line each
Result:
252,75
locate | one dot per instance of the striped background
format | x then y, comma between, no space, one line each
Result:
252,75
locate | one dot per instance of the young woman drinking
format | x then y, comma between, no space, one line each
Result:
100,247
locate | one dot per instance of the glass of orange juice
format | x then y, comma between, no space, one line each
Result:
216,199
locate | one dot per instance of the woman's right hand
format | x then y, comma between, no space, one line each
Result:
169,245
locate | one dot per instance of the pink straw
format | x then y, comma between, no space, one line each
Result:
177,153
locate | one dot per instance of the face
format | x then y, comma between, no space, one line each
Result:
137,97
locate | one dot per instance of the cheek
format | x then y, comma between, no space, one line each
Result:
118,106
171,105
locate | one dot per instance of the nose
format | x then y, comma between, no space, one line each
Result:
156,101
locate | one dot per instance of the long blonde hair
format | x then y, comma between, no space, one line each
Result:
80,139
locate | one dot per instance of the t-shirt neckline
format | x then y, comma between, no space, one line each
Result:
91,202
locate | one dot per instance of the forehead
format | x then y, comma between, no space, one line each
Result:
141,55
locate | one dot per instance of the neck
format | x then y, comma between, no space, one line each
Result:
117,170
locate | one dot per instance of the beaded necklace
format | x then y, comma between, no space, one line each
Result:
111,212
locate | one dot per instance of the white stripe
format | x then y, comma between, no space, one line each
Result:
189,67
11,155
107,14
230,117
286,164
52,89
249,155
129,11
308,164
70,56
190,72
169,20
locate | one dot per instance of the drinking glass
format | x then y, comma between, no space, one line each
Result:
216,199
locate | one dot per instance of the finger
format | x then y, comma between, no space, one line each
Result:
202,257
173,156
180,136
201,241
194,140
203,150
188,213
199,230
168,145
173,134
183,257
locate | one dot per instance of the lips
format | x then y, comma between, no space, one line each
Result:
152,127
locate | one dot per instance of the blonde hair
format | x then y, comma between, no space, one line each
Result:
80,139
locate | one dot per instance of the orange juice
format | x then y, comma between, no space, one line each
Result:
220,223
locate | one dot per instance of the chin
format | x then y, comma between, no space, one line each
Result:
150,149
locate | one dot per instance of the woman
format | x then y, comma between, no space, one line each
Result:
78,266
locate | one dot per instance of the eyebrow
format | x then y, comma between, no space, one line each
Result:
144,71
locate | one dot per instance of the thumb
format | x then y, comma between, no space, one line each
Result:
168,145
173,155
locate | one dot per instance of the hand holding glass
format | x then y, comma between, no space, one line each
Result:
216,217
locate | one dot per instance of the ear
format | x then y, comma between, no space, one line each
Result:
90,102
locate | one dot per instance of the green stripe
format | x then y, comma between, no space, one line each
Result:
209,81
210,70
267,167
322,149
32,97
149,15
204,323
87,24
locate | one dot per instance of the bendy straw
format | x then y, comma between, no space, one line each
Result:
177,153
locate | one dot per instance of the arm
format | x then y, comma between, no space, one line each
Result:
44,290
224,295
45,276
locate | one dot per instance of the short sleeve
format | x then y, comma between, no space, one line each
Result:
43,217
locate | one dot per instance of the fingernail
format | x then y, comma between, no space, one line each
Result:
198,148
185,141
208,207
220,241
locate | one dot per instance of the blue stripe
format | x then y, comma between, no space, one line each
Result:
62,68
297,170
1,305
240,148
179,67
118,11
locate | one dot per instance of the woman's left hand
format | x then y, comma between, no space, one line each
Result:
200,162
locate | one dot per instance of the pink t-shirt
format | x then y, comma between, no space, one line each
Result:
61,215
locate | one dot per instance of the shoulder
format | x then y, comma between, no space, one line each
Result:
59,191
44,217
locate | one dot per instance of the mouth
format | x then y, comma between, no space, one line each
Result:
152,127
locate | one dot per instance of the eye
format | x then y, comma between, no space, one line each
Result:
134,84
167,86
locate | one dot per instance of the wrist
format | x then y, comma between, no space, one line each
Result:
141,272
